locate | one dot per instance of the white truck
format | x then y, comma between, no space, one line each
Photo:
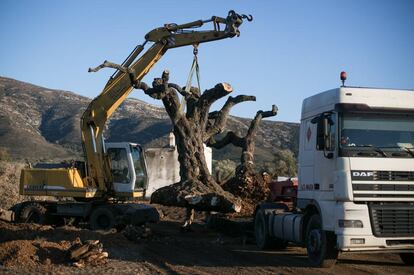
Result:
356,178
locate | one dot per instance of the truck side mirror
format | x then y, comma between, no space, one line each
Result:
327,133
326,127
323,138
321,134
320,131
327,123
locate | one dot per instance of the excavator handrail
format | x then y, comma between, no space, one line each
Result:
131,71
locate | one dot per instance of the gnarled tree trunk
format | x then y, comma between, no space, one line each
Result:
197,188
246,183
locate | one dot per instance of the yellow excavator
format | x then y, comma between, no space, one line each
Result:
112,173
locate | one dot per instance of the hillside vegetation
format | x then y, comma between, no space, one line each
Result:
37,123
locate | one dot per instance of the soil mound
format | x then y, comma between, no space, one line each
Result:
33,245
30,253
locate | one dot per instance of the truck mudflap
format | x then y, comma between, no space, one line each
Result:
137,214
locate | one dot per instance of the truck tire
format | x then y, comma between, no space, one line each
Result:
261,233
33,212
102,218
320,244
407,258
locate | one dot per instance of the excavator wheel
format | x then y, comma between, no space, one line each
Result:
102,218
33,212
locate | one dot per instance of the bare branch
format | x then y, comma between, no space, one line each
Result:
165,91
251,132
107,64
270,113
220,117
206,99
219,91
229,138
247,143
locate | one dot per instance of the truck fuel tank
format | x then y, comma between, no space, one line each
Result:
286,226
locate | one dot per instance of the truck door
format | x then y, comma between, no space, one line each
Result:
325,153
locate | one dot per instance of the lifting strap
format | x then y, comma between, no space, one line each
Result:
194,68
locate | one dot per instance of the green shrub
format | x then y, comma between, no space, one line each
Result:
285,163
223,169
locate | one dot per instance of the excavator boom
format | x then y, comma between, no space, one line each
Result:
131,71
114,171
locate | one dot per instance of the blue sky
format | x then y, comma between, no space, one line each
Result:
291,50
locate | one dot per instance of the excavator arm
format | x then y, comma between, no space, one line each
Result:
130,72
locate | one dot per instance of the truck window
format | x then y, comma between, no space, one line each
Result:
119,165
389,132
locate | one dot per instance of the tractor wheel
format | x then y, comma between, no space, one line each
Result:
320,244
407,258
102,218
33,212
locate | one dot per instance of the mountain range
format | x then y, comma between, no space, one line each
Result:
38,123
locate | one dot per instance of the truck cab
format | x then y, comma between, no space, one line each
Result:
356,166
355,180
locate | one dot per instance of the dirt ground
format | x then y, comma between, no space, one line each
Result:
9,179
28,248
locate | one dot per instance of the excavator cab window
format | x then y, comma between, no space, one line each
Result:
119,165
139,166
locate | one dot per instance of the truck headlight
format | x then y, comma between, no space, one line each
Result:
350,223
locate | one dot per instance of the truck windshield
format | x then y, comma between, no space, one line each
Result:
377,135
139,166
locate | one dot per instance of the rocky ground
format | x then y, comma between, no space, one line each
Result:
27,248
162,248
9,178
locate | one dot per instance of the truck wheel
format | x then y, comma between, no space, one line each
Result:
33,213
407,258
102,218
320,244
260,230
261,233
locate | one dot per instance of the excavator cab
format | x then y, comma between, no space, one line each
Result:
128,169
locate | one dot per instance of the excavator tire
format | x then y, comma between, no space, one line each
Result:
33,212
102,218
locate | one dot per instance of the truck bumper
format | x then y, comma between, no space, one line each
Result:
362,239
348,243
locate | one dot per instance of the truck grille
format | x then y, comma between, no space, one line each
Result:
383,187
392,219
394,175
